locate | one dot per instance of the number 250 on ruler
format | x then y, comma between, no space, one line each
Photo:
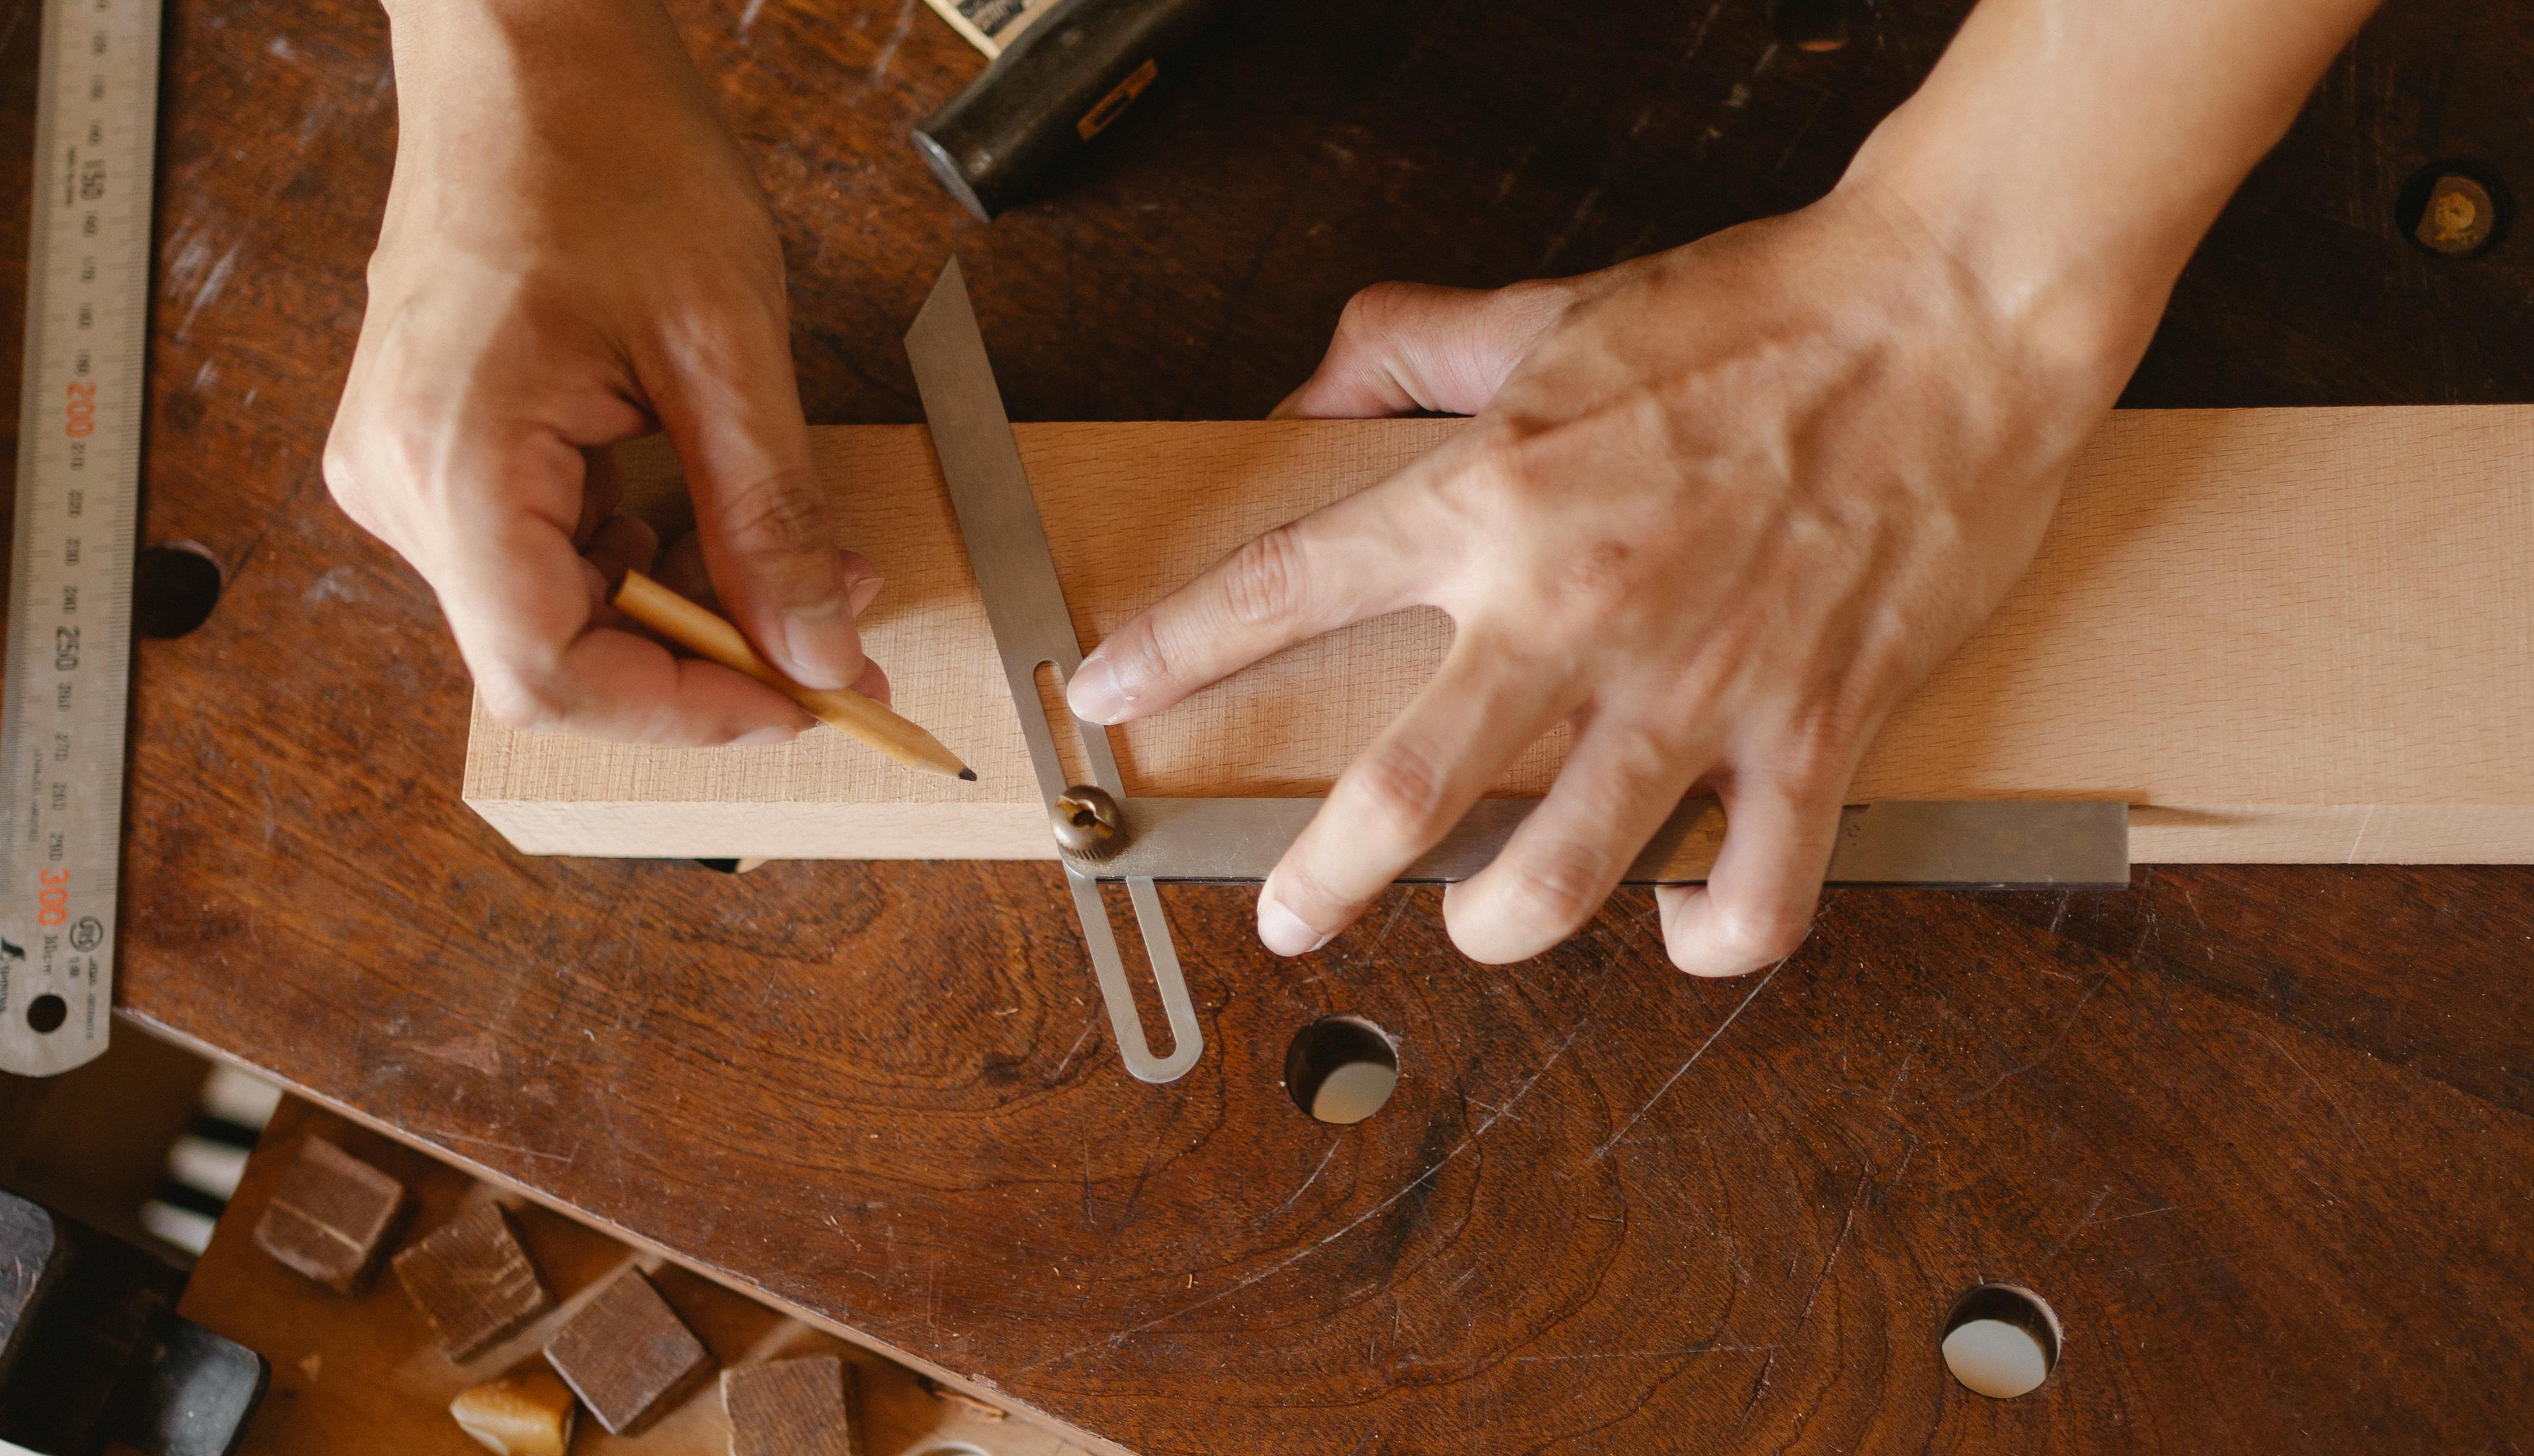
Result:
63,704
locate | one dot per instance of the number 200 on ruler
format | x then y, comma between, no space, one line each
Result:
63,702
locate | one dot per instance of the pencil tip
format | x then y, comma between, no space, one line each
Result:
970,774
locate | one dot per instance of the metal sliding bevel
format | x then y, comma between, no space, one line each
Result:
1025,605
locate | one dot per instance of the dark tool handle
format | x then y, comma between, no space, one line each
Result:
1068,76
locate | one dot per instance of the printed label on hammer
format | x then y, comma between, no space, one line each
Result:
1119,98
991,25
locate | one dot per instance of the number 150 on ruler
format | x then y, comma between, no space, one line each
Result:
64,700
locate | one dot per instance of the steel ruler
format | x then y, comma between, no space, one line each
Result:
65,697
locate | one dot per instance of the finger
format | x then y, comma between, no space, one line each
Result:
601,490
1758,902
519,603
1405,346
1622,779
680,569
872,683
1351,559
622,544
726,394
1405,792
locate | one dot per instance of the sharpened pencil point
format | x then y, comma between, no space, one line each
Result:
970,774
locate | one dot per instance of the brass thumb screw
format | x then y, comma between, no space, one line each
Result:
1086,823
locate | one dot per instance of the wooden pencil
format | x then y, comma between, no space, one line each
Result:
705,635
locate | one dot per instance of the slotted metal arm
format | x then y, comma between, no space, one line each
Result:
1025,604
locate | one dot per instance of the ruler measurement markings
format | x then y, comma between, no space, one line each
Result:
63,701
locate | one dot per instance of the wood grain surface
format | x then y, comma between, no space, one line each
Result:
2260,1134
2290,636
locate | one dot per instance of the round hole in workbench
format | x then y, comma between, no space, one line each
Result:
47,1013
174,586
2455,208
1340,1069
1810,25
2002,1341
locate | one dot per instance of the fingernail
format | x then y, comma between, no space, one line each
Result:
819,641
858,598
1283,932
1094,694
765,737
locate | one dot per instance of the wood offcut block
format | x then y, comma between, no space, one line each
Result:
333,1216
2280,634
628,1356
807,1407
473,1281
526,1415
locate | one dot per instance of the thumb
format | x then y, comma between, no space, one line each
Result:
1405,346
732,409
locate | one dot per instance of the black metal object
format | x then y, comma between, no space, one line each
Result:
1070,73
91,1349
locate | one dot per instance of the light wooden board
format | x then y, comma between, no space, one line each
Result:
2283,636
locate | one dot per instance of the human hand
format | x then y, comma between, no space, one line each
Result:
1721,509
574,254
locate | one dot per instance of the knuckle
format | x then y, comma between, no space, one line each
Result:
523,702
1265,580
1537,302
1136,655
1372,308
1810,763
1754,936
1559,888
1497,485
1401,790
1641,757
776,515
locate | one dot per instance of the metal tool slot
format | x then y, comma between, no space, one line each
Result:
1025,605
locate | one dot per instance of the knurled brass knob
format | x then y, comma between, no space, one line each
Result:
1086,823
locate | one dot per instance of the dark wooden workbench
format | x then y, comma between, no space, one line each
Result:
2262,1136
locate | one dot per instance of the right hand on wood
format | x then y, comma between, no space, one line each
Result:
574,254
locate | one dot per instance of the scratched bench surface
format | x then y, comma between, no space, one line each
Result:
2261,1137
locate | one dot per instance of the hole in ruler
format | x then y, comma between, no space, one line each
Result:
2001,1341
1340,1069
47,1013
174,586
1069,751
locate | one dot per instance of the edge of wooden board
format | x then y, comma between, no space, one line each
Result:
2224,834
2232,720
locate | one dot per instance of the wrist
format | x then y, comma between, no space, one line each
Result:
2085,289
560,54
2068,155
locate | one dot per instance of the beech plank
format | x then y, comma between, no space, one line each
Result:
2285,635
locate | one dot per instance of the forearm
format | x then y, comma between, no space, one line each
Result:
567,101
2070,154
